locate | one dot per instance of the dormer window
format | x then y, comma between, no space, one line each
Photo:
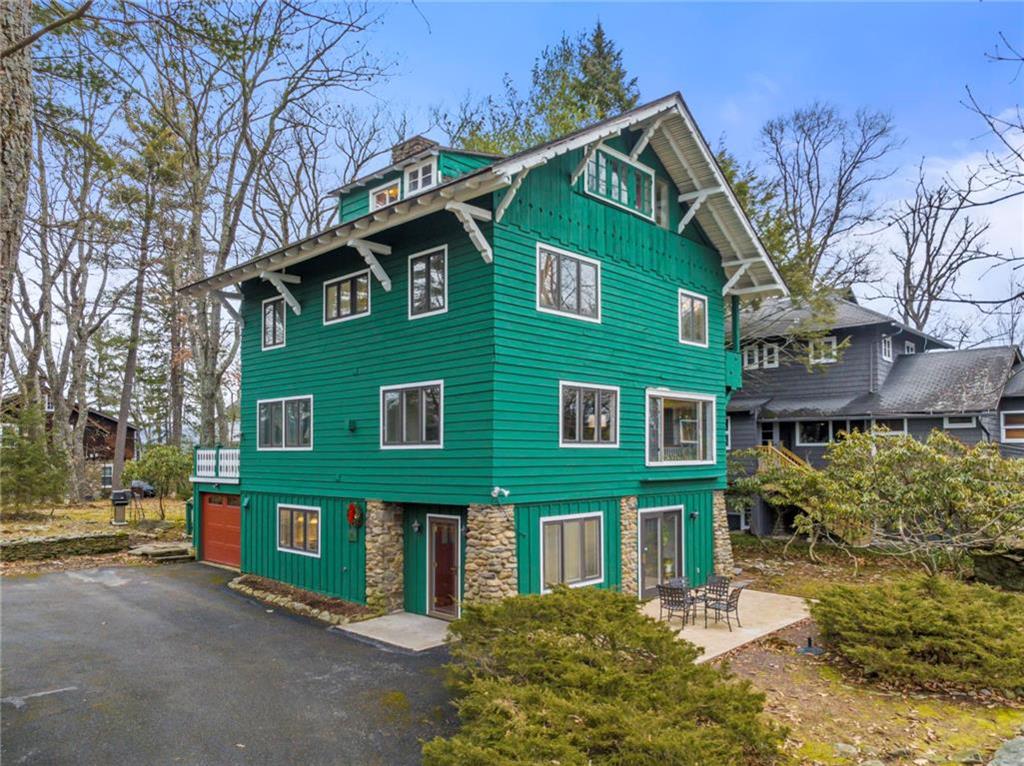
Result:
420,177
909,347
618,180
384,195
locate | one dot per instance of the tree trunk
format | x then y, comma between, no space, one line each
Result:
15,152
133,341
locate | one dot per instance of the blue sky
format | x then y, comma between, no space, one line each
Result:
740,64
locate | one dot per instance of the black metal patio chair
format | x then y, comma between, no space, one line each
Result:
724,606
673,600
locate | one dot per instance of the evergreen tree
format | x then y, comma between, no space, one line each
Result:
577,81
32,471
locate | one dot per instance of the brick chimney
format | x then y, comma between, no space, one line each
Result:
411,146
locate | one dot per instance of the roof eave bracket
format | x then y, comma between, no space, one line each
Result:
468,216
278,281
369,251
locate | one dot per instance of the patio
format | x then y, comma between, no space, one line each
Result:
761,613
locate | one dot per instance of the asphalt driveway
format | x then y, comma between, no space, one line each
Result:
167,666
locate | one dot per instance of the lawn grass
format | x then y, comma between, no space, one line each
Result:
90,517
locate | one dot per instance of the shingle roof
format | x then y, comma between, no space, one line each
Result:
777,317
1015,385
939,382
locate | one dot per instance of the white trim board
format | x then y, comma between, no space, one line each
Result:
536,290
685,395
458,548
319,529
403,386
409,260
601,543
562,384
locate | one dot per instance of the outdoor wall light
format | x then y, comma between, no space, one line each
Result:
694,515
416,526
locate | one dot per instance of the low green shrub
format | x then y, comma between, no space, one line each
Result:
932,632
581,677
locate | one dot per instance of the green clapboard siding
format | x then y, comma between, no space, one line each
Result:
528,521
635,346
415,553
454,164
356,203
343,366
340,569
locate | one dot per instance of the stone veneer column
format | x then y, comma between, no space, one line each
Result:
627,525
385,584
491,573
723,544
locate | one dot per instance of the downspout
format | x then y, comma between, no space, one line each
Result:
735,322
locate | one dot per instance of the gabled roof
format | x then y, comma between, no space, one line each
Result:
780,317
967,381
665,124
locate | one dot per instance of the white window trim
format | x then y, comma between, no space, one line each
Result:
640,543
909,347
712,421
396,182
626,158
435,312
946,424
764,355
432,161
319,531
562,384
746,351
728,433
801,443
874,421
369,296
263,319
544,309
887,348
568,517
282,448
1002,426
440,425
679,318
829,341
458,547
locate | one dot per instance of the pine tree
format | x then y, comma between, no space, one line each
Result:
32,472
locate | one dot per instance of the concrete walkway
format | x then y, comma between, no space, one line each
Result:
401,630
761,613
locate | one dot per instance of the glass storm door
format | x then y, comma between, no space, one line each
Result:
661,556
443,567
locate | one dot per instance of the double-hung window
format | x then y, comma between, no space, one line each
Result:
420,177
1012,424
909,347
589,415
347,297
693,319
285,424
823,350
571,550
273,323
751,356
298,529
615,178
770,355
887,348
661,203
384,195
568,284
428,283
411,416
680,428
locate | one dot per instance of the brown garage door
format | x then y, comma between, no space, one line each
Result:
222,530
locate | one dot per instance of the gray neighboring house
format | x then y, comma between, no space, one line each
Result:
887,374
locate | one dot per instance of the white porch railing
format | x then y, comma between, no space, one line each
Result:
217,465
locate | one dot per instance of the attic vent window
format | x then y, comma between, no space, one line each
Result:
384,195
614,178
420,177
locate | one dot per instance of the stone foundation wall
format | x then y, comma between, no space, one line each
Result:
628,532
491,572
385,557
61,546
723,545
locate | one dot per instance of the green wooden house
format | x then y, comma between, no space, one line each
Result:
492,374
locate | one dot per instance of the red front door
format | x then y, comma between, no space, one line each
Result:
221,533
443,560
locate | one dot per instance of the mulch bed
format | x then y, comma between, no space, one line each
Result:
290,597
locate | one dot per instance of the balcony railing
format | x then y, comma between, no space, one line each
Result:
216,465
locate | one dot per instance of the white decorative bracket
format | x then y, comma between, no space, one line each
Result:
510,194
468,216
224,296
370,251
587,156
696,199
735,278
645,137
278,280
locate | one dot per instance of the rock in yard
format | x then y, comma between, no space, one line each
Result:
1010,754
845,750
968,756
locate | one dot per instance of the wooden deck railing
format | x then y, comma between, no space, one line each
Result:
216,465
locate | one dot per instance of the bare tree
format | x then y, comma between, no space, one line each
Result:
826,166
937,240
